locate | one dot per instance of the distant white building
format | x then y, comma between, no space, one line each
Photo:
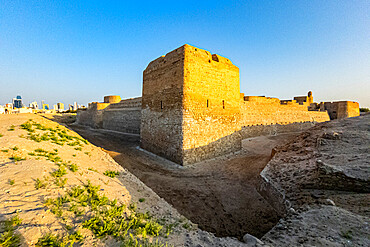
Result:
75,106
34,105
2,110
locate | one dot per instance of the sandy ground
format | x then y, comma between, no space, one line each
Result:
219,195
18,194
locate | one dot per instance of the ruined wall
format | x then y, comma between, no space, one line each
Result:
162,114
341,109
211,106
92,116
257,110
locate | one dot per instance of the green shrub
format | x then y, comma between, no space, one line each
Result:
39,184
111,174
5,150
1,135
142,200
17,158
15,148
104,217
27,126
61,182
8,238
11,128
73,167
11,181
364,109
59,173
50,240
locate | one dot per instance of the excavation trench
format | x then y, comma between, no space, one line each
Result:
219,195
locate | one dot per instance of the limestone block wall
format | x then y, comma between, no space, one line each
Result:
211,106
124,116
269,111
273,129
162,113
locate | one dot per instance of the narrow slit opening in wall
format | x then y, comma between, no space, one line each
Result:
223,104
161,104
207,103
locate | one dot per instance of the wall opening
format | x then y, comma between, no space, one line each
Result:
161,104
223,104
207,103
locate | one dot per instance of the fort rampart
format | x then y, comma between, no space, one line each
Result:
191,109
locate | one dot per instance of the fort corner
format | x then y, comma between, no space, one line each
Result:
191,108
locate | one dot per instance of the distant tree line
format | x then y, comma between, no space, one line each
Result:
364,109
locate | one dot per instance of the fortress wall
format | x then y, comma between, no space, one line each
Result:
161,119
271,112
273,129
353,109
92,116
211,106
125,120
124,116
341,109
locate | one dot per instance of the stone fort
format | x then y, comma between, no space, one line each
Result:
191,109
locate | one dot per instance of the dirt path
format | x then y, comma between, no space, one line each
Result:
219,195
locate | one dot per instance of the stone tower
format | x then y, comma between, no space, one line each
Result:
190,106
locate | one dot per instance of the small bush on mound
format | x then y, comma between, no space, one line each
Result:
111,174
11,128
104,217
11,181
73,167
39,184
364,109
1,135
58,241
59,173
17,158
57,135
8,238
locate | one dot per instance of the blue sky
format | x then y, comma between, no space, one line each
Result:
65,51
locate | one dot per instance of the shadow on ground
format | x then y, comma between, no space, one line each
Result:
219,195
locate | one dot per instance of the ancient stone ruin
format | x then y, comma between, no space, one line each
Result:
191,109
